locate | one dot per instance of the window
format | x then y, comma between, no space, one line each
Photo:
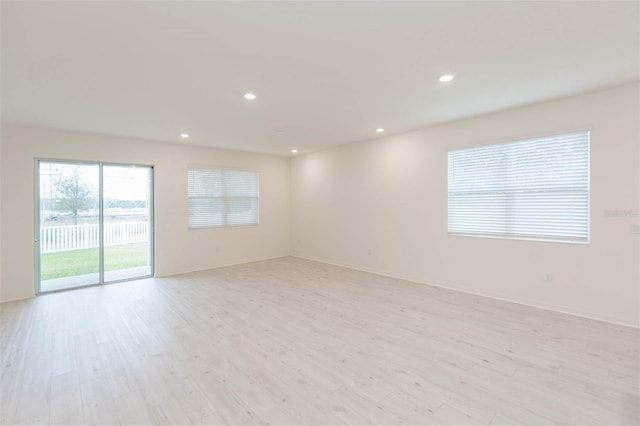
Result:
222,198
531,189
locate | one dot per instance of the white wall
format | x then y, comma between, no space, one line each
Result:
177,248
381,206
387,195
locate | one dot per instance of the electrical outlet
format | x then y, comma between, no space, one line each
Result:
548,278
369,252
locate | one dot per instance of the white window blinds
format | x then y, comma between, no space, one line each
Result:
531,189
222,198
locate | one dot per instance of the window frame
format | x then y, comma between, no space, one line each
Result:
523,237
226,225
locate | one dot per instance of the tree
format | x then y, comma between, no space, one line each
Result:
75,194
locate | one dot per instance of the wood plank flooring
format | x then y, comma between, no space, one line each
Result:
294,342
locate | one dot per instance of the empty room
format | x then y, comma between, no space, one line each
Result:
320,213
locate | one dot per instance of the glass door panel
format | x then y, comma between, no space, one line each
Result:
69,225
127,200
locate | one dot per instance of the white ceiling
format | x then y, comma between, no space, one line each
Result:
325,73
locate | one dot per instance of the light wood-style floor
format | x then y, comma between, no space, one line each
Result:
293,342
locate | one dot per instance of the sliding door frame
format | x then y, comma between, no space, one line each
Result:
100,164
152,222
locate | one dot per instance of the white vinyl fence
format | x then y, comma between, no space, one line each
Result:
77,237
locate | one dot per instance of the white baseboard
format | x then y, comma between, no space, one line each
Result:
533,304
220,266
519,301
17,299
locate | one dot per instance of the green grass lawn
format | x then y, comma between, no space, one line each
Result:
80,262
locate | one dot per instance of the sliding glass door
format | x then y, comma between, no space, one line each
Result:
95,223
69,225
127,222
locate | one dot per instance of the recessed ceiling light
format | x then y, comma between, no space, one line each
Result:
445,78
379,130
249,96
184,135
294,150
